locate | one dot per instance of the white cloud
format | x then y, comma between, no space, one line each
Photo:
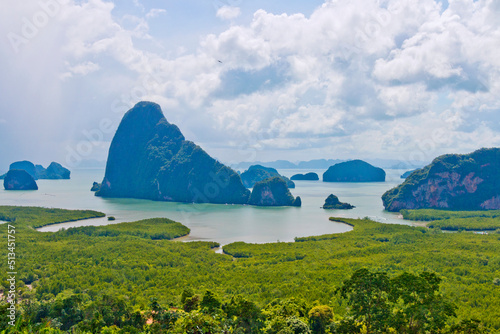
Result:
138,4
406,100
228,12
81,69
155,12
349,75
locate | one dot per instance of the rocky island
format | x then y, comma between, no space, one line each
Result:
354,171
273,192
95,186
54,172
451,181
332,202
257,173
305,177
149,158
19,179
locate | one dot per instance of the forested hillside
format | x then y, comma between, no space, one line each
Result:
90,281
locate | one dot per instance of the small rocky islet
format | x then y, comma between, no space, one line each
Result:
332,202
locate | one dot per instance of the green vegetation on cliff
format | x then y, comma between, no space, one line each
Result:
452,182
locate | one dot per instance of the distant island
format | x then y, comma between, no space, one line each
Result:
273,192
149,158
451,181
332,202
257,173
354,171
305,177
406,174
19,179
53,172
325,163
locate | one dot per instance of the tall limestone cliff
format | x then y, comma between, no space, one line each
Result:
149,158
451,181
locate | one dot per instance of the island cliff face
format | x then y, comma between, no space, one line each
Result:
273,192
354,171
257,173
149,158
452,181
19,179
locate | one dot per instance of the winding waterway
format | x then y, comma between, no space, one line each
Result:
221,223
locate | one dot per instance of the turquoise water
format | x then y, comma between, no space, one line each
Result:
221,223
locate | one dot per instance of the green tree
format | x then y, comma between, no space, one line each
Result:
319,318
189,301
367,296
197,323
248,317
285,316
418,305
210,303
468,326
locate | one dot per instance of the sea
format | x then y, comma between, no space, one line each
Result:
218,222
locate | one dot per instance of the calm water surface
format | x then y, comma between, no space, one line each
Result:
221,223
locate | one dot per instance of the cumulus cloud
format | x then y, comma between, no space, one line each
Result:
366,64
354,77
228,12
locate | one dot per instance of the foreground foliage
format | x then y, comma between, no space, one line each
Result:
407,303
105,283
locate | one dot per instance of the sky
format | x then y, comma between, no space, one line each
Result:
252,80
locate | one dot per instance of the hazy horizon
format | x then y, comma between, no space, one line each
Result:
252,80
